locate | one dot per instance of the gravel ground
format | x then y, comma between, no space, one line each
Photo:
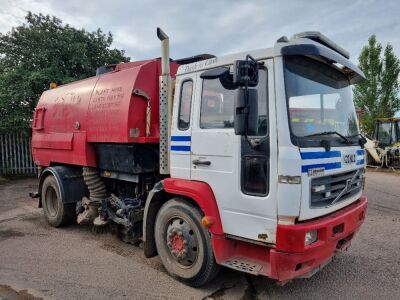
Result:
38,261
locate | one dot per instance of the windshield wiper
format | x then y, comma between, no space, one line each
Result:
345,139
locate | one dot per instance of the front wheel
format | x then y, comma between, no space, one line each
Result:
183,244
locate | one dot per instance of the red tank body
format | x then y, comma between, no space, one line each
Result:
69,119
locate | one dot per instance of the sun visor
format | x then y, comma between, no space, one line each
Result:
347,67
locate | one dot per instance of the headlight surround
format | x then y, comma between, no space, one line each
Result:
311,237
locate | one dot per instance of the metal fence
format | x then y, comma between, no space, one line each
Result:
15,154
385,158
392,157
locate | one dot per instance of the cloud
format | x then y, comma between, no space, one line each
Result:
219,26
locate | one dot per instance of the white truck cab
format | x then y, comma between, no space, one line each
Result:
290,175
302,164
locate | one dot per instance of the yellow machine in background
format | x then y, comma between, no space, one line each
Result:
384,147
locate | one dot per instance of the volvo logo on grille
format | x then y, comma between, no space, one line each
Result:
349,158
349,182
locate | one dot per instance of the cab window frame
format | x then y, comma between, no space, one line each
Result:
180,128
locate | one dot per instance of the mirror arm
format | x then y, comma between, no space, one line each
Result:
253,143
245,76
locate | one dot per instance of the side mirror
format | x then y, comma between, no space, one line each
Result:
245,72
246,112
245,75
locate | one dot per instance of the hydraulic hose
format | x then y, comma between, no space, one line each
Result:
96,186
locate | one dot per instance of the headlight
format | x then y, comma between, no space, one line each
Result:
311,237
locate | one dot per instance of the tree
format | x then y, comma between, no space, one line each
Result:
41,51
378,95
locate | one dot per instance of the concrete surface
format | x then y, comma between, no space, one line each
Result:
38,261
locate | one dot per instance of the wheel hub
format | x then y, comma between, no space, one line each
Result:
182,242
178,243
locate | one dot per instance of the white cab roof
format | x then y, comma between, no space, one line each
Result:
225,60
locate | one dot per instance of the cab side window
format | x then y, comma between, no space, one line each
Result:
217,104
185,105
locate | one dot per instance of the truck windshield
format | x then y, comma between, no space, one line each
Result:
319,99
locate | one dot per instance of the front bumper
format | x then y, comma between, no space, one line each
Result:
291,258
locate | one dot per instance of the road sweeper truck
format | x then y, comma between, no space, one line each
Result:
253,161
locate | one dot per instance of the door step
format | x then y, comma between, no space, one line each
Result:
243,265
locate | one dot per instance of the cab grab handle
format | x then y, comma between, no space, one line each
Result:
201,162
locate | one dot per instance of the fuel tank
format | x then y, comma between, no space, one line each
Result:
119,107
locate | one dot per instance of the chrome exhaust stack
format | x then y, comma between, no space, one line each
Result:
165,88
164,51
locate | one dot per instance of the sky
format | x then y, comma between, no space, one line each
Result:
220,26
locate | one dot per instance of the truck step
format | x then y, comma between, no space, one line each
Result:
243,265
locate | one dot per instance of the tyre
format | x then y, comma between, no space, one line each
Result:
56,212
183,244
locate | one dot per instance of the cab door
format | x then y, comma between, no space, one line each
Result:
181,125
242,178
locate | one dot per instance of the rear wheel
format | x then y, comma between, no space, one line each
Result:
183,244
57,212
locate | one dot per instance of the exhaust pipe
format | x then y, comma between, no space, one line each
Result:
164,51
165,103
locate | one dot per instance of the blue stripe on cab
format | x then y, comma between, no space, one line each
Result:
327,166
360,162
360,152
316,155
180,148
181,138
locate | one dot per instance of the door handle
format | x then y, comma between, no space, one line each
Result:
201,162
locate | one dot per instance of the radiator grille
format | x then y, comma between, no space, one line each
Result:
329,190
